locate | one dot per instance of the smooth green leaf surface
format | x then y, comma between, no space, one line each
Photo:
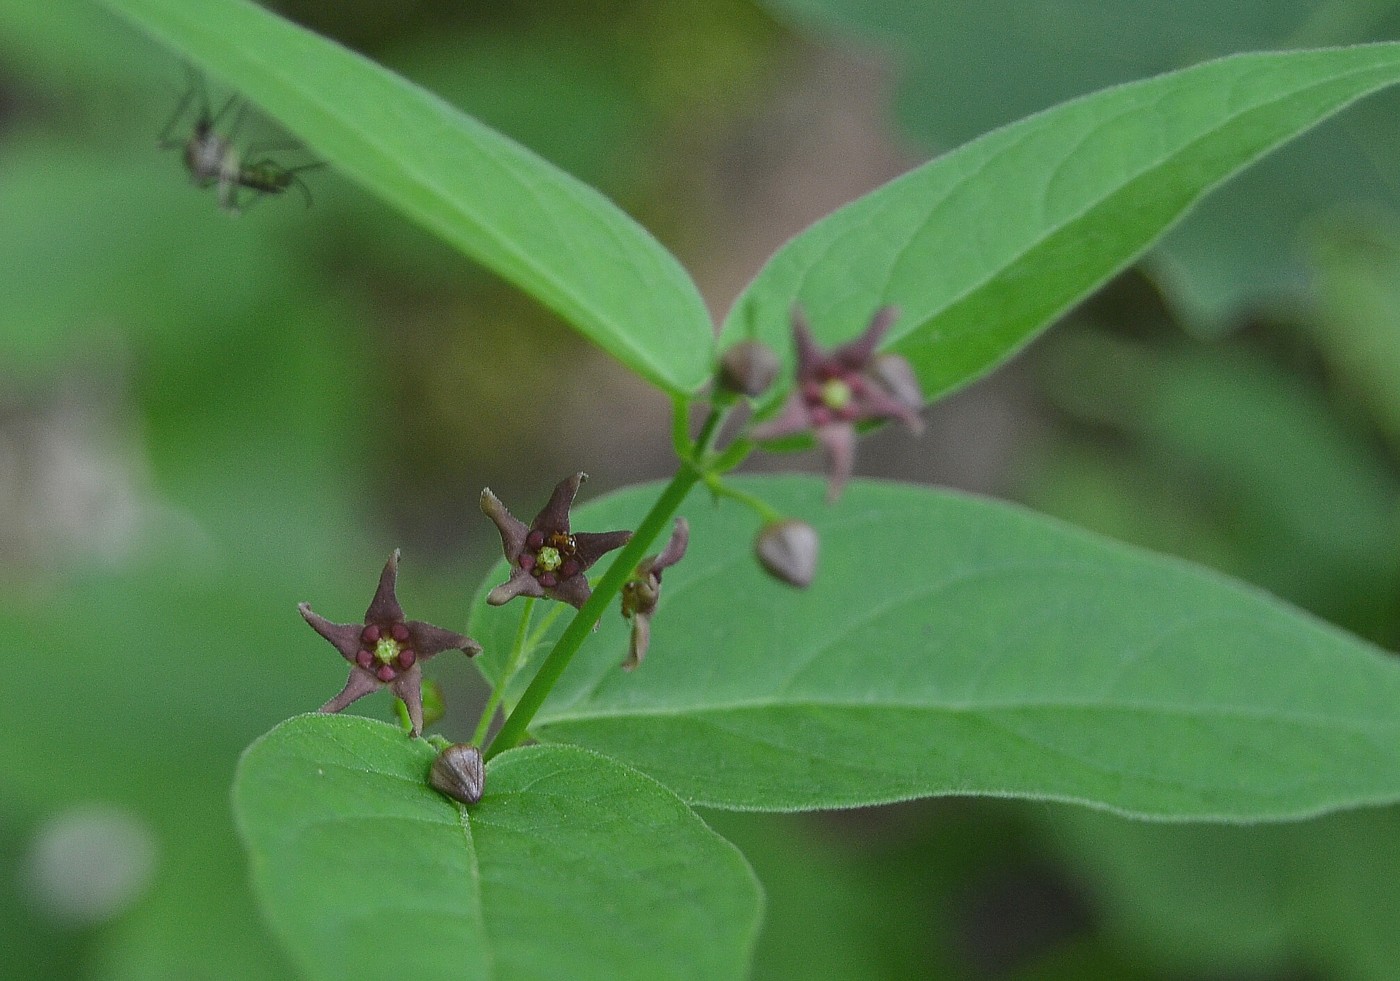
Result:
572,865
551,235
968,66
952,645
984,247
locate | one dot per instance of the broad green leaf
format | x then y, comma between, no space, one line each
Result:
984,247
968,66
952,645
548,233
572,865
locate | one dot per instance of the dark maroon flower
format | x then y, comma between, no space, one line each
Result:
837,389
546,559
641,594
387,649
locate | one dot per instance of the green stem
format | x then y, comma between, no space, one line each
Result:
518,722
517,651
765,511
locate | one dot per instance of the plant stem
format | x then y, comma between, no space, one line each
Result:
517,651
518,722
758,504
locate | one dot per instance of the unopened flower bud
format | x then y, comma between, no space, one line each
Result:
788,551
748,368
459,772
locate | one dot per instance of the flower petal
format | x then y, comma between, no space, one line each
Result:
573,590
793,418
357,686
512,529
839,441
427,640
641,640
856,353
344,637
675,548
555,515
592,546
408,687
384,608
809,355
520,583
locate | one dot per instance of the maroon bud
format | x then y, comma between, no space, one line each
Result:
459,772
527,561
386,673
569,568
788,551
364,659
821,415
399,632
748,368
548,580
370,635
535,539
406,658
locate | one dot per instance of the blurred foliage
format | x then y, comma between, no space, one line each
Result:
205,420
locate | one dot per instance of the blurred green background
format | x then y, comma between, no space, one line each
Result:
206,419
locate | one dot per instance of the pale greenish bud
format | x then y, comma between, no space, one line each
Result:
459,772
748,368
788,549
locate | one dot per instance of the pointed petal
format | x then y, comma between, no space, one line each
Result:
876,403
555,515
809,355
344,637
573,591
427,640
359,684
520,583
839,441
794,418
592,546
512,529
641,640
856,353
408,688
675,548
384,608
895,375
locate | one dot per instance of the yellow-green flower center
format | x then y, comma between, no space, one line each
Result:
548,559
836,394
386,649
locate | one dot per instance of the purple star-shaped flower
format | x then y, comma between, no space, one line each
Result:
640,596
547,559
837,389
386,649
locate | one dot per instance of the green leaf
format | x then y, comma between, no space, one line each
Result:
551,235
986,246
969,66
571,866
952,645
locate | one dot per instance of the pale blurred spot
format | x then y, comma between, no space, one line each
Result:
89,864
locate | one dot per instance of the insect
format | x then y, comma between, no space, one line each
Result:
213,158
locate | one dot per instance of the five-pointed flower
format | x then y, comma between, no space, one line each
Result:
641,594
837,389
547,559
386,649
